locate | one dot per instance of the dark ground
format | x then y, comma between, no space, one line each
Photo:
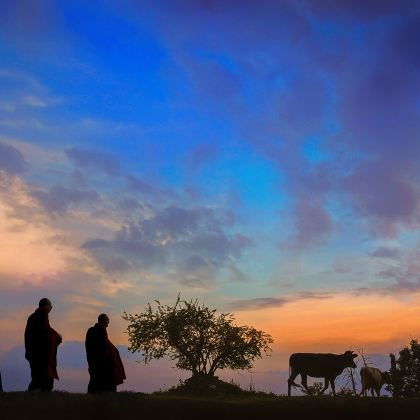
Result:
60,405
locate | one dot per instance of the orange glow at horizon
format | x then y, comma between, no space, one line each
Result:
371,322
375,323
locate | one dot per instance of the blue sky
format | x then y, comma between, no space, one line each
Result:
227,150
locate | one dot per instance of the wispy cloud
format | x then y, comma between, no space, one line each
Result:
84,159
11,159
59,199
385,252
272,302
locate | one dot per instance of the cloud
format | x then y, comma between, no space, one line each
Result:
34,101
258,303
387,197
360,9
86,159
378,109
196,272
191,244
407,274
11,160
365,115
28,250
127,251
148,189
37,249
385,252
59,199
39,21
273,302
313,223
129,204
23,94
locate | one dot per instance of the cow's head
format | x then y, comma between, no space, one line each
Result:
350,356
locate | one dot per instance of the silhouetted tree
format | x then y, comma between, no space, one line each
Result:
396,383
405,372
349,374
365,359
350,384
192,334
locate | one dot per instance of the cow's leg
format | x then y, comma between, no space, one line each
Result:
371,392
291,381
378,392
304,382
325,386
332,386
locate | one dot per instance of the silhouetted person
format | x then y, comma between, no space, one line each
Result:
105,366
41,342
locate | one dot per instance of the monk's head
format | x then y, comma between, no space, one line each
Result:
103,320
45,304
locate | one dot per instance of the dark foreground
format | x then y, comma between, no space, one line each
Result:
20,405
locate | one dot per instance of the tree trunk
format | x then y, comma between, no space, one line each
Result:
353,384
395,379
201,373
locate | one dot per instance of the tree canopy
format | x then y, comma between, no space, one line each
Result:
195,337
405,375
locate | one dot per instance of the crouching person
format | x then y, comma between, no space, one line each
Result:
105,366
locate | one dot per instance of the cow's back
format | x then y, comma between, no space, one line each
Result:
371,377
317,365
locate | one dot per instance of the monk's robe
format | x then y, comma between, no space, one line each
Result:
41,342
105,366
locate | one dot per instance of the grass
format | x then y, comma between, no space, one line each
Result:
127,405
210,386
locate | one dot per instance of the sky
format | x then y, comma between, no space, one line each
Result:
260,156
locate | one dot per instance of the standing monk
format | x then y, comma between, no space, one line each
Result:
41,342
105,366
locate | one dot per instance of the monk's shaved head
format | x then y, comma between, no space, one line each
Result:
103,319
44,302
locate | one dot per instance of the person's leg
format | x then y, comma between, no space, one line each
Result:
47,382
36,376
93,387
108,385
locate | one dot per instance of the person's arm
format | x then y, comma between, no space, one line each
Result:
36,337
29,345
102,345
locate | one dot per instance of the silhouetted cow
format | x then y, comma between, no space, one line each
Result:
318,365
373,379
